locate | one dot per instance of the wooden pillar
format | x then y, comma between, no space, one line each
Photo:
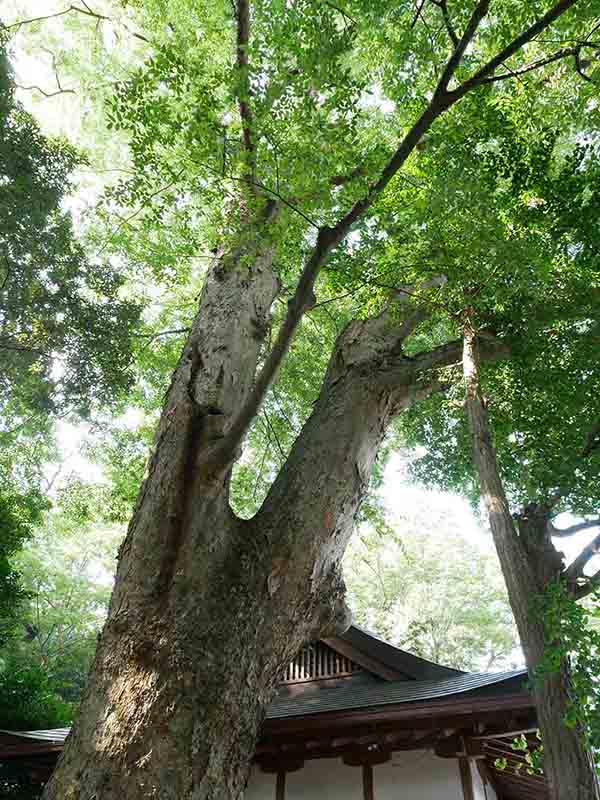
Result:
466,778
367,775
280,786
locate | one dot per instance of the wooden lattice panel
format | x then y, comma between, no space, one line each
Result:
317,662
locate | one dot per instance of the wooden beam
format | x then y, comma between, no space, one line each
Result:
507,734
365,661
466,779
367,776
366,758
280,786
280,762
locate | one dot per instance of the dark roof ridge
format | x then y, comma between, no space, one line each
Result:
415,667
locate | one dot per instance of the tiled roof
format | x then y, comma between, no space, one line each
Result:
352,697
424,681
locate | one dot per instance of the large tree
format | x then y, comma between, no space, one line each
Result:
534,438
208,608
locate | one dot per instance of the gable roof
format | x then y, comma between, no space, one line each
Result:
411,666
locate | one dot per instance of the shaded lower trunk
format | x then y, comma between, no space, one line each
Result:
568,762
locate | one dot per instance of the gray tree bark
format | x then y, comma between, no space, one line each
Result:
529,563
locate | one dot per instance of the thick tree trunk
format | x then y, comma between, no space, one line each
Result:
208,609
529,562
175,694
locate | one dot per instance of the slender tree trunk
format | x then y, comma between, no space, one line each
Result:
529,562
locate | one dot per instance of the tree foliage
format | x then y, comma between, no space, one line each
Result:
57,302
421,584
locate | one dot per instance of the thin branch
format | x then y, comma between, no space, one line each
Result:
584,589
282,410
419,11
284,200
23,349
41,91
126,220
274,432
498,60
572,529
465,40
575,569
261,467
340,11
340,180
592,441
45,17
443,6
579,66
243,36
264,188
534,65
152,336
87,11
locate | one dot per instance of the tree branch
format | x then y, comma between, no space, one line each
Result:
243,35
41,91
152,336
534,65
450,354
477,16
329,237
575,569
418,12
443,6
579,66
592,441
492,65
583,590
87,11
573,529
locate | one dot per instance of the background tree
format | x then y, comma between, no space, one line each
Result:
66,572
421,584
542,406
56,306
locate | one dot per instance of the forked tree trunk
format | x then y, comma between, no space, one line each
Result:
529,563
208,609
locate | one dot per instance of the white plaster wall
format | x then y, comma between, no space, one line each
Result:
481,790
414,775
261,785
324,778
417,775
